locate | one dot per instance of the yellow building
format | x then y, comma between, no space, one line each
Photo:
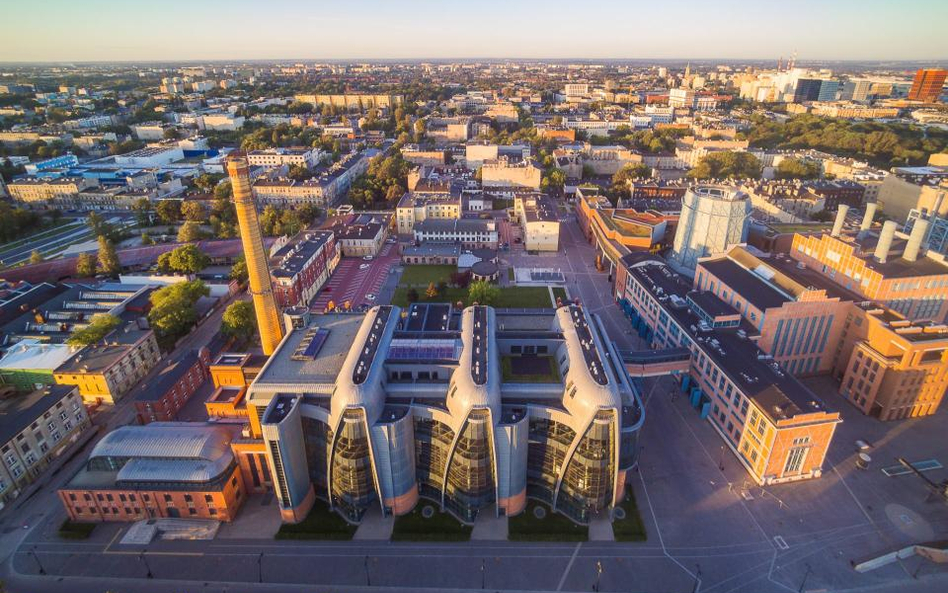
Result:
31,190
106,372
415,207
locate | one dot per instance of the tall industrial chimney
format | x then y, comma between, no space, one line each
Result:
885,240
840,219
915,240
268,318
868,216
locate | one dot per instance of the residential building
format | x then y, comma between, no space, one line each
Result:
420,156
506,172
353,100
160,470
162,397
47,190
361,235
277,157
35,429
539,218
300,268
469,233
398,408
417,206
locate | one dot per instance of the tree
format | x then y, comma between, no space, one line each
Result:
142,209
168,211
85,265
461,279
791,168
299,173
412,295
193,211
108,258
482,292
100,326
207,182
147,240
172,309
555,179
224,190
432,291
98,225
630,172
727,165
239,321
171,134
187,259
189,231
238,271
36,257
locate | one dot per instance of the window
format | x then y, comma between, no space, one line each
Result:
795,459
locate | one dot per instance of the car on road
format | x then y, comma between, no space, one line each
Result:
364,266
370,297
368,258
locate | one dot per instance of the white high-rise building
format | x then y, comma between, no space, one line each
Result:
713,217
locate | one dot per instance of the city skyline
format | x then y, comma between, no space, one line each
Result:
370,30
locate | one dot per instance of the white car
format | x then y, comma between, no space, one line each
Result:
364,266
368,258
370,297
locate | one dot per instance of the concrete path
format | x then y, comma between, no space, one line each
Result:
374,526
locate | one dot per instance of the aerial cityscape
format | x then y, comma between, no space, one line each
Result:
417,297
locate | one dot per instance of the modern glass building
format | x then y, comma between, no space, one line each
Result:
476,410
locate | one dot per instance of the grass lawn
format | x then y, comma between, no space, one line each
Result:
524,297
320,523
441,527
631,528
554,527
73,530
425,275
559,293
529,369
510,274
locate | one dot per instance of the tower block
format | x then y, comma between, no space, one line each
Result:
258,271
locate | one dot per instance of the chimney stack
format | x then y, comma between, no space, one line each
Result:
868,216
915,240
885,240
840,219
258,270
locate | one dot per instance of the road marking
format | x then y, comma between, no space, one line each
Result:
568,567
781,543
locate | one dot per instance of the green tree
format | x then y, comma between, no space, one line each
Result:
108,258
791,168
168,211
299,173
727,165
85,265
99,326
238,271
239,321
630,172
36,257
193,211
207,182
412,295
224,190
187,259
147,240
98,225
189,231
482,292
554,179
172,309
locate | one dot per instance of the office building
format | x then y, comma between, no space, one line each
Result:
928,85
507,172
539,218
162,469
379,410
277,157
162,397
712,219
469,233
268,318
417,206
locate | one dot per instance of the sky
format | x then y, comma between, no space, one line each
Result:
176,30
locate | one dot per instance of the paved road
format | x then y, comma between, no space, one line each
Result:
350,282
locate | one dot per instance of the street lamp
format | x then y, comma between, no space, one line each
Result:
260,567
36,558
144,560
598,575
483,573
721,459
805,575
365,564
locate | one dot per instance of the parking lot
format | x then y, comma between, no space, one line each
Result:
356,278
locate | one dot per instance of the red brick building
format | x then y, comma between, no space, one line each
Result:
161,400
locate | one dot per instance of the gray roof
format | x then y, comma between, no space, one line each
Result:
166,440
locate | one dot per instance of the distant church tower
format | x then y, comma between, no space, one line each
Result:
268,318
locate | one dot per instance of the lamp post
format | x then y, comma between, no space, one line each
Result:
721,459
598,575
365,564
260,568
483,573
805,575
144,560
37,560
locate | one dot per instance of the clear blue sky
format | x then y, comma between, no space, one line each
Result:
67,30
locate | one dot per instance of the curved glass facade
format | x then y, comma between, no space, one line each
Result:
432,447
587,485
549,441
317,435
470,484
352,483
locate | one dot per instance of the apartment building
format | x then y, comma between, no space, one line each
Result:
361,236
419,205
506,172
35,428
48,190
162,398
277,157
300,268
539,218
469,233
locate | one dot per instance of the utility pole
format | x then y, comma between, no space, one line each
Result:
483,573
260,568
368,582
598,575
